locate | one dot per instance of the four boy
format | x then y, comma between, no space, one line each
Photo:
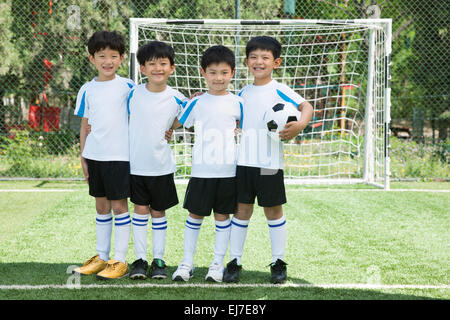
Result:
218,182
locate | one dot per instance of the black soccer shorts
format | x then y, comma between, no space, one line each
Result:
204,195
264,184
110,179
158,192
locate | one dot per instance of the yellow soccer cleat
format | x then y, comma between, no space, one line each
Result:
92,266
114,270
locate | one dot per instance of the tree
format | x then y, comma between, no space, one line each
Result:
10,63
46,46
431,51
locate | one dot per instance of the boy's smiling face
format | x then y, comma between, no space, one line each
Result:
218,77
260,64
157,71
106,61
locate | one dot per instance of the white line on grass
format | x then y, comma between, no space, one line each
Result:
229,286
379,190
306,190
37,190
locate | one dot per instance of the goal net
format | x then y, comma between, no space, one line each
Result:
340,67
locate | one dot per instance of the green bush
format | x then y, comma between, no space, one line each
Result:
410,159
59,142
36,155
21,148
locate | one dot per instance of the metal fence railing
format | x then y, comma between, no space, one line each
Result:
44,63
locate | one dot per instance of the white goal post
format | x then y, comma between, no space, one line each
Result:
342,67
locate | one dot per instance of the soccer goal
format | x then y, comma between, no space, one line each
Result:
340,67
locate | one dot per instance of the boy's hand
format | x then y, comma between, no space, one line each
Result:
88,129
168,135
291,130
198,93
84,166
237,130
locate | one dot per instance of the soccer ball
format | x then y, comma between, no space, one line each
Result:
276,118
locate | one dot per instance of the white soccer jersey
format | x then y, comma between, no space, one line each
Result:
214,119
151,114
104,103
257,149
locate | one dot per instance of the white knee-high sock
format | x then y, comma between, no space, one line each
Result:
103,227
159,228
277,230
238,234
191,232
122,230
140,222
223,230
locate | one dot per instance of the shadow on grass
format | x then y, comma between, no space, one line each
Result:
34,273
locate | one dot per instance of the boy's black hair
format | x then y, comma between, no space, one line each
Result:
264,43
155,50
106,39
218,54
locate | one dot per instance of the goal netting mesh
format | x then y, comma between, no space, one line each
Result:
341,68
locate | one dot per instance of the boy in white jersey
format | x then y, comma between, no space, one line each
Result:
153,107
212,186
259,170
102,104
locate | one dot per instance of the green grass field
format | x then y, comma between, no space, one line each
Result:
344,242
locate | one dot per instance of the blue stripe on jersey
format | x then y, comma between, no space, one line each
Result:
242,114
130,95
188,111
178,100
183,104
130,85
240,92
286,98
80,112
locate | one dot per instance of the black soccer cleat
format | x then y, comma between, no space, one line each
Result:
278,272
232,271
158,269
139,270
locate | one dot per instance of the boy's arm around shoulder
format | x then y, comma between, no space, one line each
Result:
182,100
176,124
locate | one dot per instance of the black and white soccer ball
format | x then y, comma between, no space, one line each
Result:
276,118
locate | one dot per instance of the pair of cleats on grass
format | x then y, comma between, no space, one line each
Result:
113,269
217,273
